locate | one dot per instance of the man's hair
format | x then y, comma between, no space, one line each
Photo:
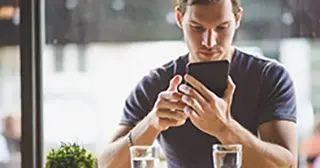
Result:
182,4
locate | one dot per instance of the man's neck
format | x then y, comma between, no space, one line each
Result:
231,53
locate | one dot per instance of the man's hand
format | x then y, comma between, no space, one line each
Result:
206,110
211,114
168,109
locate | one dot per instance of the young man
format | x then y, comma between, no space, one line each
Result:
258,109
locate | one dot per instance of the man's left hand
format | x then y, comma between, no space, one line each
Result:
206,110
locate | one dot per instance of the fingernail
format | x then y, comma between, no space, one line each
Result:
184,88
184,99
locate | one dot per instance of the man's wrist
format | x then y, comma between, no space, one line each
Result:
151,126
226,131
154,129
141,134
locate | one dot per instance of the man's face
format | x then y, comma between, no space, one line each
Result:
208,30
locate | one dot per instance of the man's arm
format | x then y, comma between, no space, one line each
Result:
277,147
117,154
117,142
212,115
161,117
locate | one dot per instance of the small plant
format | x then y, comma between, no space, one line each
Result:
70,155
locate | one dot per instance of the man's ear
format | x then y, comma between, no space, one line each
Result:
238,17
178,17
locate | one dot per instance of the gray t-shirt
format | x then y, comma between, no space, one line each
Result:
264,92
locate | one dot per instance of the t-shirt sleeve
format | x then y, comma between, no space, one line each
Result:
142,98
278,100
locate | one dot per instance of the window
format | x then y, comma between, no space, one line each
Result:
96,51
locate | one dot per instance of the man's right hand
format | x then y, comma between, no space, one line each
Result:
168,109
167,112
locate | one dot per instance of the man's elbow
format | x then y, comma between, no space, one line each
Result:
284,161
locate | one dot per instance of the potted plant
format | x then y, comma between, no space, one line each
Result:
70,155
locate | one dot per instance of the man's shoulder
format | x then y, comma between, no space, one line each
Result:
259,70
169,68
258,61
157,79
255,57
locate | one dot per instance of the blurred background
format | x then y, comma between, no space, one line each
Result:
89,42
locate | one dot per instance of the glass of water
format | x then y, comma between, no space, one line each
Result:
227,156
145,156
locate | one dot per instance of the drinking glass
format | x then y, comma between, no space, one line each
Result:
145,156
227,156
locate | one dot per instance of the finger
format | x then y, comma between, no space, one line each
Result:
173,115
170,95
193,93
171,123
228,94
207,94
194,116
193,103
169,105
174,83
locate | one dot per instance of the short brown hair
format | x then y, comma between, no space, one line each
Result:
182,4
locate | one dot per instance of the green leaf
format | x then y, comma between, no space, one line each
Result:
70,155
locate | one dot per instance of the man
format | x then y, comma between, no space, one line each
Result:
258,108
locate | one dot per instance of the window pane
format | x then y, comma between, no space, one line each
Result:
10,115
10,103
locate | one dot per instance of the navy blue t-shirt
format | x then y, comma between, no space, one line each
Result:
264,92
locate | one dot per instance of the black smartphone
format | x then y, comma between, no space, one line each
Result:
212,74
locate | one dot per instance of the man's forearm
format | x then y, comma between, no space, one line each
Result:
257,153
117,154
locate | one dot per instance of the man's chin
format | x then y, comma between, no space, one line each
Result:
206,57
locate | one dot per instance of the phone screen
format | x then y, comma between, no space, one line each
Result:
213,75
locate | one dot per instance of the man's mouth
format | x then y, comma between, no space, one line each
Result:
209,53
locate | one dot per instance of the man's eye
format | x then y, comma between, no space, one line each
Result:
198,28
220,28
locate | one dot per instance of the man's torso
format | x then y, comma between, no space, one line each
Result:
188,147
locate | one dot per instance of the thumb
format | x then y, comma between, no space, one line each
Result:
228,94
174,83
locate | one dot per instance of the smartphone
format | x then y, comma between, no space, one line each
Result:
212,74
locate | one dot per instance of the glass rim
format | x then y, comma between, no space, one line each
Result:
142,147
238,146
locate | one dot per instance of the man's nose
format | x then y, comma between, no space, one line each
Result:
209,38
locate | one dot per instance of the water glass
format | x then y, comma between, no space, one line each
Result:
227,156
145,156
